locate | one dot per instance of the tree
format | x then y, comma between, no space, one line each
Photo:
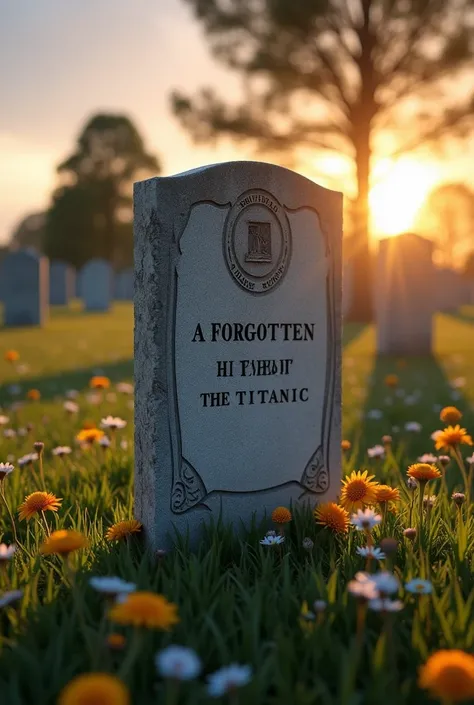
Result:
29,233
91,211
448,218
336,75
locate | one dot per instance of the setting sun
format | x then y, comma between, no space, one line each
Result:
398,194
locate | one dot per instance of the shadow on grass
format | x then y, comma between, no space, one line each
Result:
51,386
351,331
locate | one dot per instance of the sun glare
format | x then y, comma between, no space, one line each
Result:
398,194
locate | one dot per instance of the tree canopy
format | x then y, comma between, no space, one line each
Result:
91,210
347,76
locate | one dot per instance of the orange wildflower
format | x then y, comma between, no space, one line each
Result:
449,675
423,472
12,356
453,436
281,515
358,490
99,382
34,394
450,415
38,502
122,529
332,516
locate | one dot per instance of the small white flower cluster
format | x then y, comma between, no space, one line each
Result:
376,590
365,519
113,423
377,451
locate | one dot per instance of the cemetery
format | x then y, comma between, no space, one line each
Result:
237,355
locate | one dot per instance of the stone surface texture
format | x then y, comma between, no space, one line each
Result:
25,277
199,259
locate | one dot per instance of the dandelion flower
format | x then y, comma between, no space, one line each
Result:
332,516
145,609
227,679
99,382
113,423
385,493
88,436
281,515
38,502
8,598
358,490
449,675
423,472
453,436
365,519
5,469
95,688
450,415
178,662
418,586
12,356
34,394
123,529
63,542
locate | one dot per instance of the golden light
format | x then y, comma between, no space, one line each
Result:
398,193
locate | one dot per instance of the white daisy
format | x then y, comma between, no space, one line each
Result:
363,586
413,426
27,459
178,662
365,519
272,540
371,552
386,583
9,433
384,605
124,388
428,458
4,420
71,407
9,598
104,442
375,414
227,679
112,586
113,423
376,452
72,393
418,586
470,459
5,469
7,552
61,450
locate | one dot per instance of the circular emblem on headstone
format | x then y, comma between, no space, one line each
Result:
257,241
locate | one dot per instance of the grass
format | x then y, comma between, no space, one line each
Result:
238,601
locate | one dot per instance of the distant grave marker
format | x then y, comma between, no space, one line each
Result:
25,288
61,283
123,285
96,285
237,345
404,295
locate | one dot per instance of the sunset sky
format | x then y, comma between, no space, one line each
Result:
63,60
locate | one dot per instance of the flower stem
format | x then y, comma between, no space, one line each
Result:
132,654
12,520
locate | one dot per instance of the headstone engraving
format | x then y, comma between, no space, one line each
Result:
96,285
25,286
237,344
404,303
61,283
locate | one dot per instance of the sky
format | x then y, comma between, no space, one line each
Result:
63,60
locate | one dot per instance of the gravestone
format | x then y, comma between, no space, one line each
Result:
24,277
123,285
237,345
404,301
451,291
347,286
61,283
96,285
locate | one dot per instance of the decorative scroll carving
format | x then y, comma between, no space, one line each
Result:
188,488
315,477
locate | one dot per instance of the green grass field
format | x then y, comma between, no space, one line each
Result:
237,601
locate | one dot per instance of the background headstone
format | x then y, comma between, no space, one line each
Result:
404,301
25,288
61,283
96,285
451,290
347,284
237,345
123,285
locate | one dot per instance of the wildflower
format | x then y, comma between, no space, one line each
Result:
332,516
385,493
111,586
272,532
449,675
417,586
319,605
145,609
34,394
124,388
308,544
72,393
71,407
374,414
8,598
60,451
227,679
412,483
94,398
452,436
12,356
428,458
4,420
27,459
116,641
423,472
178,662
63,542
9,433
38,502
430,501
444,460
346,445
281,515
113,423
413,426
88,436
358,490
90,688
458,498
123,529
387,441
5,469
470,459
386,583
363,587
272,540
99,382
389,546
39,447
450,415
391,381
371,552
384,605
365,519
376,452
410,533
6,552
105,442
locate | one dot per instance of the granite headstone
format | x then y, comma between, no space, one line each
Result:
24,276
61,283
96,285
237,345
